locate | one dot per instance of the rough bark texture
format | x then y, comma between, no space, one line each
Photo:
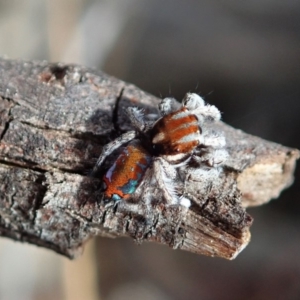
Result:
54,120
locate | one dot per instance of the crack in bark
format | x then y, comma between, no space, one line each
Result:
6,127
42,182
83,136
27,165
10,118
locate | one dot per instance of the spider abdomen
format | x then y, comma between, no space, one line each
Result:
124,176
176,133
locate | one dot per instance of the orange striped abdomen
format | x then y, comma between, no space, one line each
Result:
175,133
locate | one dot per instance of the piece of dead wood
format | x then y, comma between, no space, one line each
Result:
54,121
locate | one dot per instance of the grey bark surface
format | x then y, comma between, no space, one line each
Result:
54,121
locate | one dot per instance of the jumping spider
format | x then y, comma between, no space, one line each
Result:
159,148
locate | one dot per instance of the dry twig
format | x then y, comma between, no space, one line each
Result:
54,121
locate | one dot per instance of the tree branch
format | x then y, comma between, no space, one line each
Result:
54,121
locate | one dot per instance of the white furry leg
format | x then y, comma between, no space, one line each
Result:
112,146
165,175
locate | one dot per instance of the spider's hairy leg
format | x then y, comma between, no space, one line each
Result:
211,158
214,152
219,157
165,175
206,175
213,139
112,146
204,112
137,119
193,101
164,180
207,113
168,105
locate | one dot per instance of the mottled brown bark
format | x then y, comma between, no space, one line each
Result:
54,120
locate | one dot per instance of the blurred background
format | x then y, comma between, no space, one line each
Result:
242,56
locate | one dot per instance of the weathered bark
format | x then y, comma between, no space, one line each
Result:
54,121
